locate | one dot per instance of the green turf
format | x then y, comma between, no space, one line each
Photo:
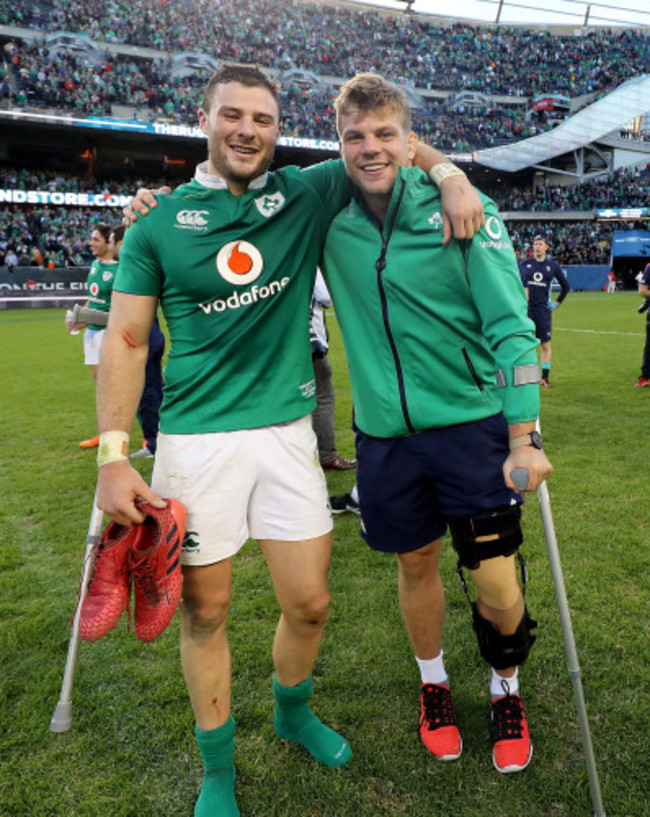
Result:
131,751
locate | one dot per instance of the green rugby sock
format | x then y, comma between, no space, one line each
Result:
295,721
217,747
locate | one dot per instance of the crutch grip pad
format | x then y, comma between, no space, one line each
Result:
520,477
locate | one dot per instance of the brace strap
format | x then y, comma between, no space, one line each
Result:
503,525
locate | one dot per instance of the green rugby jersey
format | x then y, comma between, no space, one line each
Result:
435,335
101,279
234,275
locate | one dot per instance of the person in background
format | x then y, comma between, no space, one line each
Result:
537,275
101,278
643,281
323,415
611,281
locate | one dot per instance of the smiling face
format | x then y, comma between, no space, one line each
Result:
374,145
99,245
243,127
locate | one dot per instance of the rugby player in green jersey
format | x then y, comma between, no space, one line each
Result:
101,278
232,257
444,375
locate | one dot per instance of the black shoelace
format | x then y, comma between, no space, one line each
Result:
508,715
438,709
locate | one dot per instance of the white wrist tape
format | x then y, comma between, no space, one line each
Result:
444,170
113,447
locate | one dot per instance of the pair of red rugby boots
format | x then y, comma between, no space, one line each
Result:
147,555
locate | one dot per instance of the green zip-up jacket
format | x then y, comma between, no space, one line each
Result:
434,335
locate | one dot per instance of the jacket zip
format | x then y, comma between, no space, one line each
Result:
472,370
380,265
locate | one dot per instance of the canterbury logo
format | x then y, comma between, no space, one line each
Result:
192,220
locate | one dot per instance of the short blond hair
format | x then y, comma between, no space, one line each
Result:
368,92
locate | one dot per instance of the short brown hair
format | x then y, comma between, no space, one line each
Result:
117,231
367,92
249,75
104,230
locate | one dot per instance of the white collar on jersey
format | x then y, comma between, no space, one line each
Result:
202,176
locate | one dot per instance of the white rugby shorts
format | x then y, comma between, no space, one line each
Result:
92,344
260,483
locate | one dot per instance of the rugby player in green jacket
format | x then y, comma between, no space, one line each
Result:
232,257
444,375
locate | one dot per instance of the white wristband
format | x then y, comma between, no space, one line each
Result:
113,447
444,170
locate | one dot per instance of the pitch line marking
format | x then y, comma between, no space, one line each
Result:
599,331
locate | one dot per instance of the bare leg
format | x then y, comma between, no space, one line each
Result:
299,572
205,654
422,599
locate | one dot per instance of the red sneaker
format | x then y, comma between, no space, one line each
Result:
438,728
156,567
545,384
512,749
110,586
641,383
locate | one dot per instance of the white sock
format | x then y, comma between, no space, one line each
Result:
432,670
354,494
498,683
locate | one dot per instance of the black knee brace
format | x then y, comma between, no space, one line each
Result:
503,651
503,523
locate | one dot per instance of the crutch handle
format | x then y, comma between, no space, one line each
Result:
520,477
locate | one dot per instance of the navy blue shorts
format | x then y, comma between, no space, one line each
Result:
541,317
409,486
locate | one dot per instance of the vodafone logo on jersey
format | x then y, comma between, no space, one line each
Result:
93,289
239,263
498,238
493,228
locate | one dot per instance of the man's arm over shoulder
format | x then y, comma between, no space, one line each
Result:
331,184
462,208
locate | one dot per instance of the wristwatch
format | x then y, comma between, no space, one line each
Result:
533,438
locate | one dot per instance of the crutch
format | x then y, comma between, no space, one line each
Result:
83,314
520,478
62,718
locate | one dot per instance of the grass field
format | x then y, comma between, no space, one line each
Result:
131,750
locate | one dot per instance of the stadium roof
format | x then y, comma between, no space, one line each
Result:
609,13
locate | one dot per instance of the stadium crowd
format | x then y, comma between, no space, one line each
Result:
57,236
36,77
337,41
330,41
326,40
